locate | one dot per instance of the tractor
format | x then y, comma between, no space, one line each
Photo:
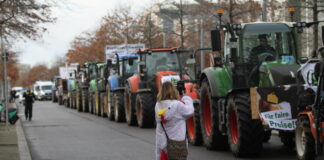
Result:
72,91
309,133
246,95
125,67
93,96
79,74
155,66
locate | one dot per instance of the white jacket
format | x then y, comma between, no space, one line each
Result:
176,115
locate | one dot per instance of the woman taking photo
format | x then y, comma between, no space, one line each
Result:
171,113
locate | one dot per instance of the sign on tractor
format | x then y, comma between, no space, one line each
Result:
122,49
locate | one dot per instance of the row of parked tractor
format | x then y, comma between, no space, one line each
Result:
238,101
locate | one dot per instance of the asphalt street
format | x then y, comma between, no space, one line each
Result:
59,133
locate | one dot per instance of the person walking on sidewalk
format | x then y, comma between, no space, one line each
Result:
29,100
171,114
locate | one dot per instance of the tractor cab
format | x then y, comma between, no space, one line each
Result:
261,54
158,65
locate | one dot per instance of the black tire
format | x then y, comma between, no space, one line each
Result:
209,121
79,101
145,103
245,135
85,101
110,105
130,99
267,135
103,104
287,138
194,128
119,106
96,97
60,100
305,144
91,108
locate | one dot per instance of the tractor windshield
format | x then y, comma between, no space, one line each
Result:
277,46
161,61
129,70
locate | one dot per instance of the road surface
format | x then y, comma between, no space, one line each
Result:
60,133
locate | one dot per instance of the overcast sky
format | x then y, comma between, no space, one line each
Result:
72,19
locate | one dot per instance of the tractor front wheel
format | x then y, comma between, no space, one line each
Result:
245,135
110,110
119,107
130,99
305,144
145,110
287,138
209,121
194,129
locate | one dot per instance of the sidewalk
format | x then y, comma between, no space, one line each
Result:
13,144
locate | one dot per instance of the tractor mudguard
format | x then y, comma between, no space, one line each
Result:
219,80
113,82
133,81
310,116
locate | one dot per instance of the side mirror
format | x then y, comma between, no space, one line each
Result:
190,61
233,57
130,62
216,40
303,60
109,63
218,61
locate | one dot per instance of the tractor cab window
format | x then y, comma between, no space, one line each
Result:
130,69
161,61
189,65
92,71
277,46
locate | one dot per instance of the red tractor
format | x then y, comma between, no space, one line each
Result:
155,67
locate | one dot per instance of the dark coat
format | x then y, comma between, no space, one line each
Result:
29,97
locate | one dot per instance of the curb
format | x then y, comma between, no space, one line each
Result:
24,152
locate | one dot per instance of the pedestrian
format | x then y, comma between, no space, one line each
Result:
171,113
12,95
29,100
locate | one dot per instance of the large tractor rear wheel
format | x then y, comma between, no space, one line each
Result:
119,107
85,101
110,105
194,128
305,144
209,121
145,110
245,135
130,99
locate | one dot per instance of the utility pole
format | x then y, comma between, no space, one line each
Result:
264,10
202,55
5,87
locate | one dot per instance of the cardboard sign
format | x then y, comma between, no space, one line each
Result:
122,49
171,78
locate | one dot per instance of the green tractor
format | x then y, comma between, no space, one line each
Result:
72,91
80,75
93,94
249,78
101,89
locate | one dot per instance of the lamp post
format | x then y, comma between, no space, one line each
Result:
5,88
